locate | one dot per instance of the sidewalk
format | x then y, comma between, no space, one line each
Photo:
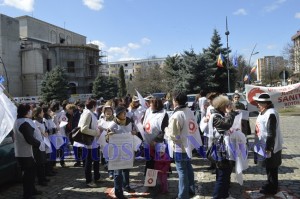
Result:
70,182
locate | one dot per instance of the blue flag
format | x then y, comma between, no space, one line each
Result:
1,79
235,62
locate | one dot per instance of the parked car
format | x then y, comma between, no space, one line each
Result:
159,95
9,169
191,100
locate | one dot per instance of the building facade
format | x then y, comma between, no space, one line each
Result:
268,69
44,46
10,64
296,41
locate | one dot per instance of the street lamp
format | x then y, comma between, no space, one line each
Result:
227,62
252,53
7,84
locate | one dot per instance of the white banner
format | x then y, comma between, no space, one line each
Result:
150,179
120,151
283,96
8,115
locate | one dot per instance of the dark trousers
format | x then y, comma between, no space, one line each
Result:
29,169
121,180
79,153
92,159
272,174
222,184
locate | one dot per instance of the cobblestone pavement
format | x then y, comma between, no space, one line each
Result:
70,182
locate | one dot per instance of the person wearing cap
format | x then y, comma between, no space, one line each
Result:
162,164
121,124
268,138
103,124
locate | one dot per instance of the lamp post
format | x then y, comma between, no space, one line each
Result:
7,83
252,53
227,63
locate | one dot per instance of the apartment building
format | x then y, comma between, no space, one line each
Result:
268,69
296,41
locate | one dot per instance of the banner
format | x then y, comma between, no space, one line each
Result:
283,96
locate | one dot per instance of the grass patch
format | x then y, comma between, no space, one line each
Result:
294,110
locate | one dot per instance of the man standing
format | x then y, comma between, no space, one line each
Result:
180,125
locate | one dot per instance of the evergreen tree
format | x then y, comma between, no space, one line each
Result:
122,85
217,75
55,85
176,74
105,87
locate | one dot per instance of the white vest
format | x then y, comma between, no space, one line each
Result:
189,133
152,125
22,148
261,129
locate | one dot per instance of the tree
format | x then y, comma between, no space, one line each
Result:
121,85
149,80
218,77
105,87
55,85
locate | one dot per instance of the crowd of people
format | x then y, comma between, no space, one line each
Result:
168,130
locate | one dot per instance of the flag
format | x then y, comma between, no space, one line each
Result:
1,79
235,60
220,60
8,112
246,78
253,70
141,99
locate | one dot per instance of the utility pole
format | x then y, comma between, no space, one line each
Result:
227,63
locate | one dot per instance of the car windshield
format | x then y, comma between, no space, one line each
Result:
159,95
191,98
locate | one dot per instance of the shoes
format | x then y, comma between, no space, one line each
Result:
77,164
91,185
50,174
129,189
36,192
99,181
44,184
63,165
192,193
111,177
268,192
230,197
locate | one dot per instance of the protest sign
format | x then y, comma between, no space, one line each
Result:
283,96
150,179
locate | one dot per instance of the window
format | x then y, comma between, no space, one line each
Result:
71,67
126,71
72,88
48,65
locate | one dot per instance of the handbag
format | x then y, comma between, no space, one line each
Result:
80,137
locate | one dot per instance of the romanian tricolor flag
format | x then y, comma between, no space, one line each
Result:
253,70
220,61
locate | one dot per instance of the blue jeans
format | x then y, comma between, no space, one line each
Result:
221,189
186,175
121,180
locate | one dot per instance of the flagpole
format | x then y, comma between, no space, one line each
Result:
248,80
227,63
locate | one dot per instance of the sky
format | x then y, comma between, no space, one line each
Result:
139,29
